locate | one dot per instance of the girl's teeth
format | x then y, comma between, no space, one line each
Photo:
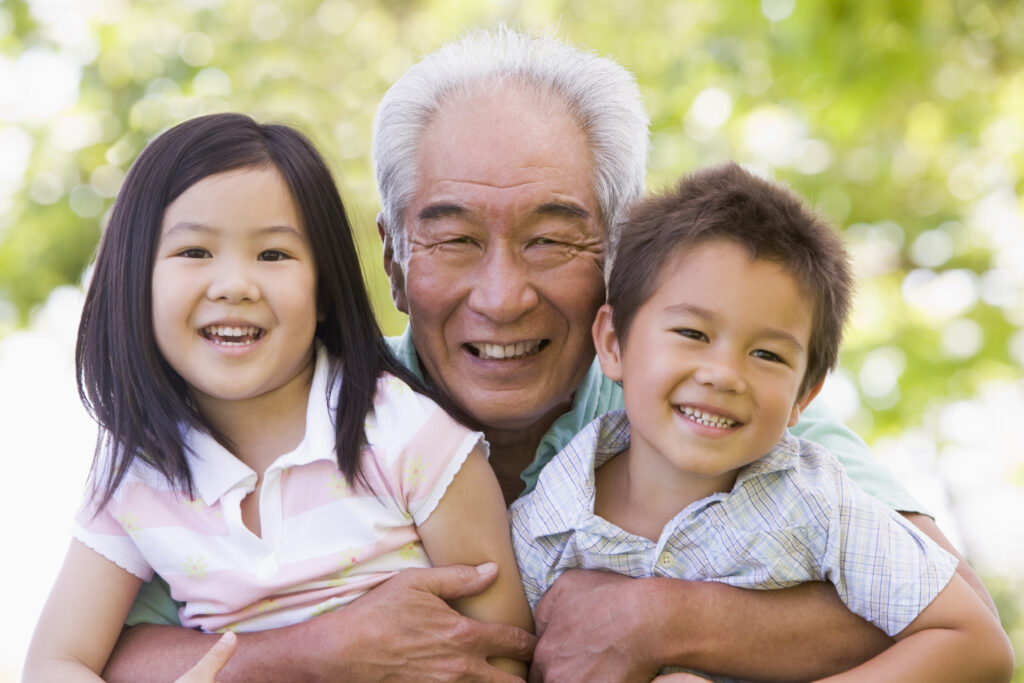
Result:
228,335
708,419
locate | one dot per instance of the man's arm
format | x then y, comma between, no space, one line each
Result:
930,529
403,629
600,625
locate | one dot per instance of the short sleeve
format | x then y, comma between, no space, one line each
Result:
883,567
822,426
111,533
537,554
417,446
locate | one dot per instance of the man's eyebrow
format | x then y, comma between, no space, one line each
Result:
562,210
441,210
552,209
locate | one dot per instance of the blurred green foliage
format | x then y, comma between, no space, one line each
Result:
902,121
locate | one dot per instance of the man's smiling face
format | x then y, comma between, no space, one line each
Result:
506,253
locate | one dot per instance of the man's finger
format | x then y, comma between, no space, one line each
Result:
450,583
207,668
502,640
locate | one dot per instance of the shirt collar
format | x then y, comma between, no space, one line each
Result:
566,484
215,471
568,481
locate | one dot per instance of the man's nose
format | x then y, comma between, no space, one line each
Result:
232,281
502,287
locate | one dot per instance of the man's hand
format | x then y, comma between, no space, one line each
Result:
402,630
595,626
410,633
585,637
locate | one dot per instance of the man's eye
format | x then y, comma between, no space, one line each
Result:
194,252
272,255
692,334
768,356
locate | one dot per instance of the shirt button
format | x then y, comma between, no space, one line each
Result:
666,560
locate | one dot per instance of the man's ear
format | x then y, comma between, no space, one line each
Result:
803,402
606,343
392,267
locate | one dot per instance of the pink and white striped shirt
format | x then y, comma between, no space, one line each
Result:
323,542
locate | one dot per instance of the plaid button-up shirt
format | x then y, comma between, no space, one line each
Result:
792,516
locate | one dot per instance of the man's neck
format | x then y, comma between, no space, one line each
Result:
513,450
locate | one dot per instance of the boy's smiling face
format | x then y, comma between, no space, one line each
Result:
711,365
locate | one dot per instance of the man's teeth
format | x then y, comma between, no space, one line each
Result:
232,336
708,419
506,351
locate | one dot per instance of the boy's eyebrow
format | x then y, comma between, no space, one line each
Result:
774,333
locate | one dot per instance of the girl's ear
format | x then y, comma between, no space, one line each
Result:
606,342
803,402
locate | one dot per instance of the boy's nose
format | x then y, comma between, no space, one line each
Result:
721,373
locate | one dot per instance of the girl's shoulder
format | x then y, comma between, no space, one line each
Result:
395,395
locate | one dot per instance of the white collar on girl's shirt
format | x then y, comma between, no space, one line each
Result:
215,471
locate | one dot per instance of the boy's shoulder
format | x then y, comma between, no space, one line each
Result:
566,484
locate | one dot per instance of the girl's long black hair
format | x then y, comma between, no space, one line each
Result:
139,401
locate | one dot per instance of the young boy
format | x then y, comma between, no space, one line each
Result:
726,305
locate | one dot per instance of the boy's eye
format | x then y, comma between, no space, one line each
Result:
768,356
272,255
692,334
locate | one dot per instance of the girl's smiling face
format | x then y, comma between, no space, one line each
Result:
234,289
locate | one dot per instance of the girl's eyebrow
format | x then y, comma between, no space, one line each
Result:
190,227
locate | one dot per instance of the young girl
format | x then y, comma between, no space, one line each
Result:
260,448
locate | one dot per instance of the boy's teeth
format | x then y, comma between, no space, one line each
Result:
708,418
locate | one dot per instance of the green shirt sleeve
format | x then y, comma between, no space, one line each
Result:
819,424
154,605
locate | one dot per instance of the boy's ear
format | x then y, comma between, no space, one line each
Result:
606,343
803,402
392,267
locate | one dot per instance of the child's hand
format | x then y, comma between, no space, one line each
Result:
207,668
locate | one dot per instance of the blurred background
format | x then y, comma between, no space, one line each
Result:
903,122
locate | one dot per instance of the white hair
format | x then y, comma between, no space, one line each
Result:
600,94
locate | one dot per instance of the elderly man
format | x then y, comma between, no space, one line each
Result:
504,164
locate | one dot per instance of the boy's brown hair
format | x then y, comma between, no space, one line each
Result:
727,202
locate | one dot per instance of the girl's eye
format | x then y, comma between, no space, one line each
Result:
194,252
272,255
768,356
692,334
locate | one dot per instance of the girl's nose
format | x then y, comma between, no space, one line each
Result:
232,283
